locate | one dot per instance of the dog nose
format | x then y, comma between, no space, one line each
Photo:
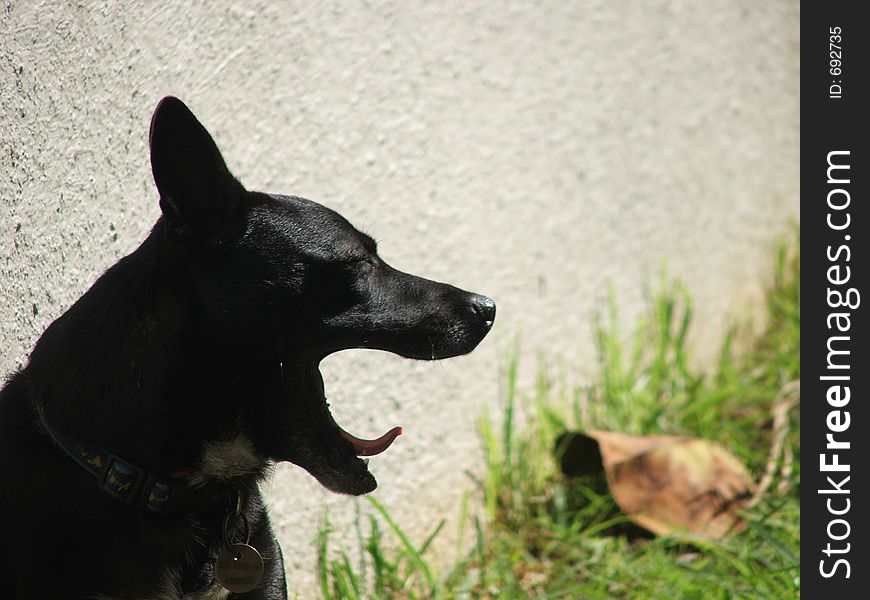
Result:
484,308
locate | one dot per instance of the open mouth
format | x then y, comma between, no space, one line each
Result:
310,437
315,442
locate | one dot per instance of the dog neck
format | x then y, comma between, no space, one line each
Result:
176,408
133,485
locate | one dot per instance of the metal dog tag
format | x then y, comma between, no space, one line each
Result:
239,568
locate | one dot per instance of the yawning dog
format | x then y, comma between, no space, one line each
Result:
134,440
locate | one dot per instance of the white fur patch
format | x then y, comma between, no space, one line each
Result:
215,593
170,584
227,459
170,589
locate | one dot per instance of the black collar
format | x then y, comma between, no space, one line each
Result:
134,485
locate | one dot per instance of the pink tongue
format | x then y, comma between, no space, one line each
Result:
371,447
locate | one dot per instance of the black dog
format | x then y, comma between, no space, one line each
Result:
134,440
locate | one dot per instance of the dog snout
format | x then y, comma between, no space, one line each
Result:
484,308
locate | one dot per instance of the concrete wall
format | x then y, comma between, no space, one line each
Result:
529,151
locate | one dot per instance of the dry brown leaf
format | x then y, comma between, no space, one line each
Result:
669,484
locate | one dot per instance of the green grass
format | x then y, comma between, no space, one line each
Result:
540,535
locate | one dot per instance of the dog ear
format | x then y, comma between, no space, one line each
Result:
195,186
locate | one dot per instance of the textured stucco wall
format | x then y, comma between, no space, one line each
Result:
529,151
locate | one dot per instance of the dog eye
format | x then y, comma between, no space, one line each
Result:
366,264
354,269
364,267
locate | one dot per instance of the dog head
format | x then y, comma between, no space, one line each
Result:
293,282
